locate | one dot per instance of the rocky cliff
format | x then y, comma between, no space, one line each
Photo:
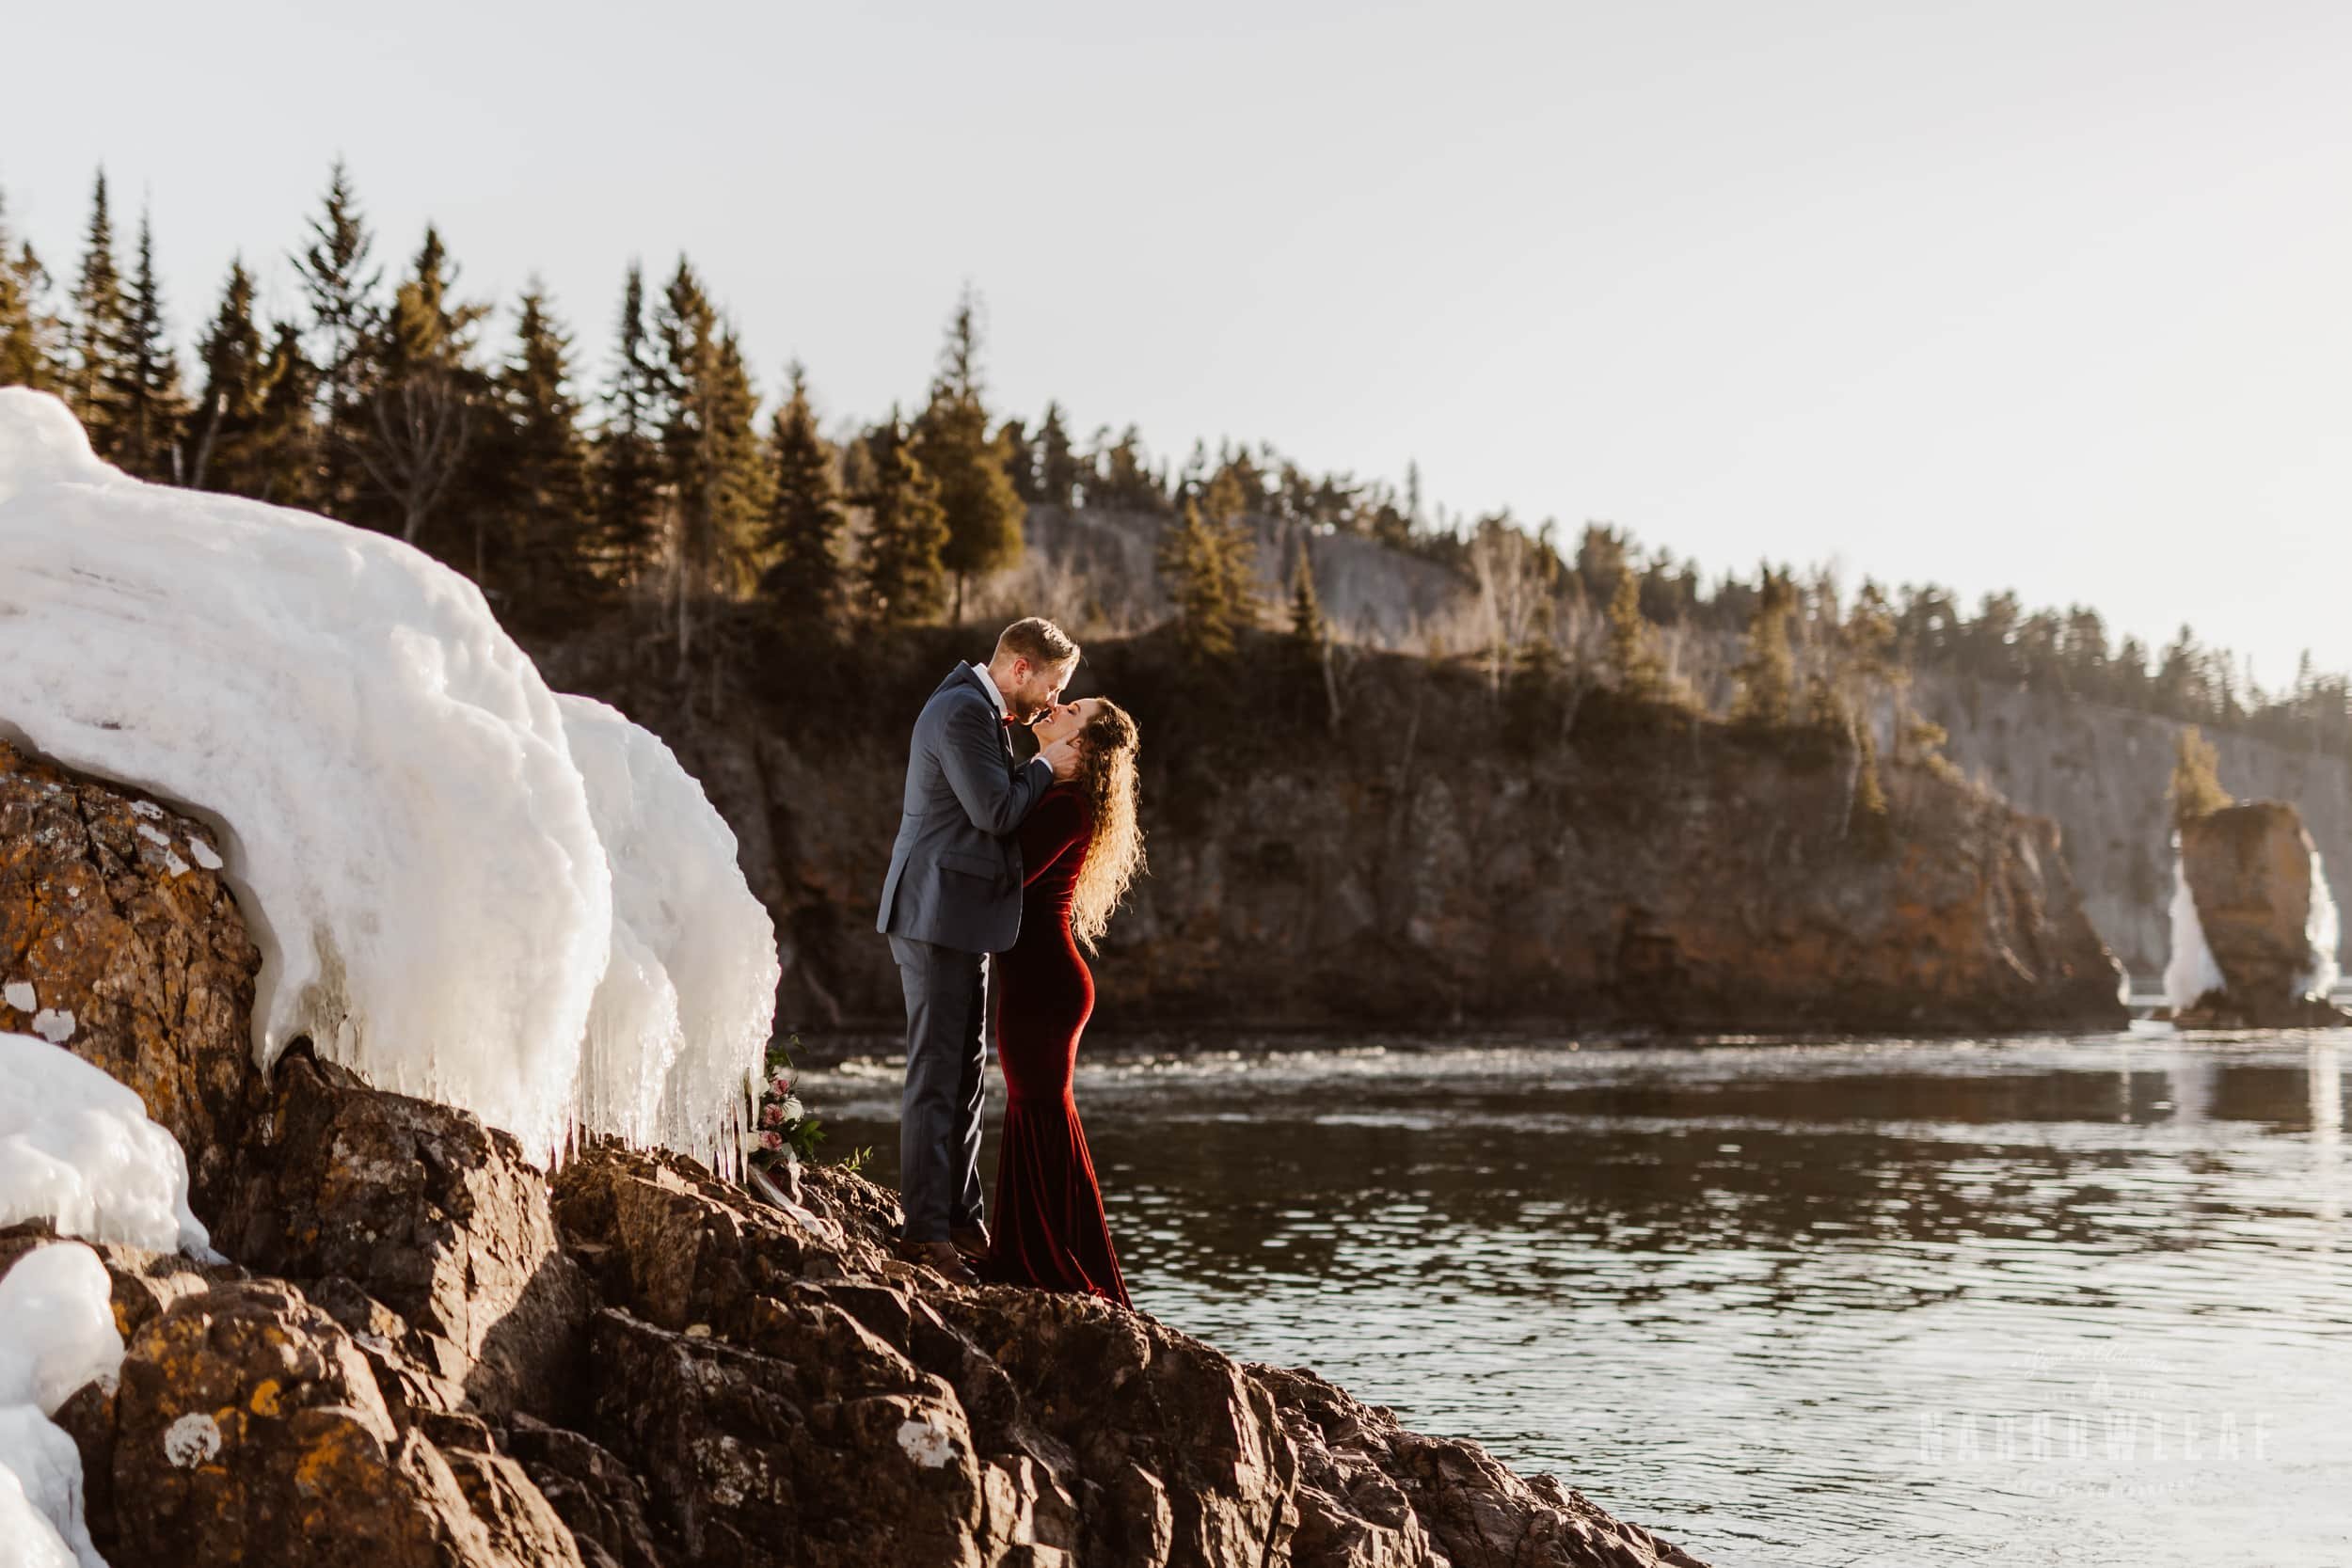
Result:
425,1351
2100,772
1438,854
2249,870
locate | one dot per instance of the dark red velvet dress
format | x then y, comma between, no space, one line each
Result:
1048,1228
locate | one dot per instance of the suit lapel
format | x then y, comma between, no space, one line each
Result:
1004,731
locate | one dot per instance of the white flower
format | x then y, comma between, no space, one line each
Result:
751,1142
793,1109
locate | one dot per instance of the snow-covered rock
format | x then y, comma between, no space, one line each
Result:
56,1333
689,999
41,1494
57,1326
392,793
77,1147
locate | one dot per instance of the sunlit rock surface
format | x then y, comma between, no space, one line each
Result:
2264,911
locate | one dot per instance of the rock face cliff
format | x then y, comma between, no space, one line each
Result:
424,1353
2098,771
2101,773
2249,870
1446,855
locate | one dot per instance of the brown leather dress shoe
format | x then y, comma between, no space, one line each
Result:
941,1256
970,1239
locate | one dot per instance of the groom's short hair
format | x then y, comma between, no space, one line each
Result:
1036,639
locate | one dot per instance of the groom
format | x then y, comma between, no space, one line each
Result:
952,898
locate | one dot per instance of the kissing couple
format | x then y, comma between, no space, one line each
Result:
1002,870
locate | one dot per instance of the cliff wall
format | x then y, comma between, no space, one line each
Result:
1442,854
2101,773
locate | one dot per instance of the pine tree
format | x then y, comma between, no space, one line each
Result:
952,442
154,410
803,577
419,414
286,444
905,575
226,429
1119,475
1768,673
94,360
628,464
346,325
1869,820
1059,471
27,334
1635,663
2196,790
713,477
1308,627
1019,450
1213,599
534,470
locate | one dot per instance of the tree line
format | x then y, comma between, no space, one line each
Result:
398,404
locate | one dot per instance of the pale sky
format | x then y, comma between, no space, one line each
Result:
2051,295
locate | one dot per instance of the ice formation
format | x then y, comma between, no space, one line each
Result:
2190,971
56,1333
41,1494
2323,930
683,1015
76,1148
390,788
57,1326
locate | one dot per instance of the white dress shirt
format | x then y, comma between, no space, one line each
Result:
989,681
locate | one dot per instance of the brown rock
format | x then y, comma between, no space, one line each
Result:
845,1454
2249,870
1178,1456
249,1429
107,913
599,1498
678,1249
522,1524
426,1211
1374,1494
1074,1429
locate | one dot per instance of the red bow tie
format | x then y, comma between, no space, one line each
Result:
1010,720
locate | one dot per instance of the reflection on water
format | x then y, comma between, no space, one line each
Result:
2032,1302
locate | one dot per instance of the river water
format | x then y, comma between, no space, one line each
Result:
2037,1301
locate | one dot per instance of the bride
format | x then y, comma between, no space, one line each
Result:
1080,850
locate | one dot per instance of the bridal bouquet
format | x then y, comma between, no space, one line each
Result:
782,1130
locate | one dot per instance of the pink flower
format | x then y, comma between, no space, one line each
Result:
782,1086
772,1140
771,1114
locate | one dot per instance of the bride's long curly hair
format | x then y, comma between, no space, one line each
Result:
1115,854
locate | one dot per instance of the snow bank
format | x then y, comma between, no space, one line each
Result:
2190,971
398,804
76,1148
688,1002
56,1333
